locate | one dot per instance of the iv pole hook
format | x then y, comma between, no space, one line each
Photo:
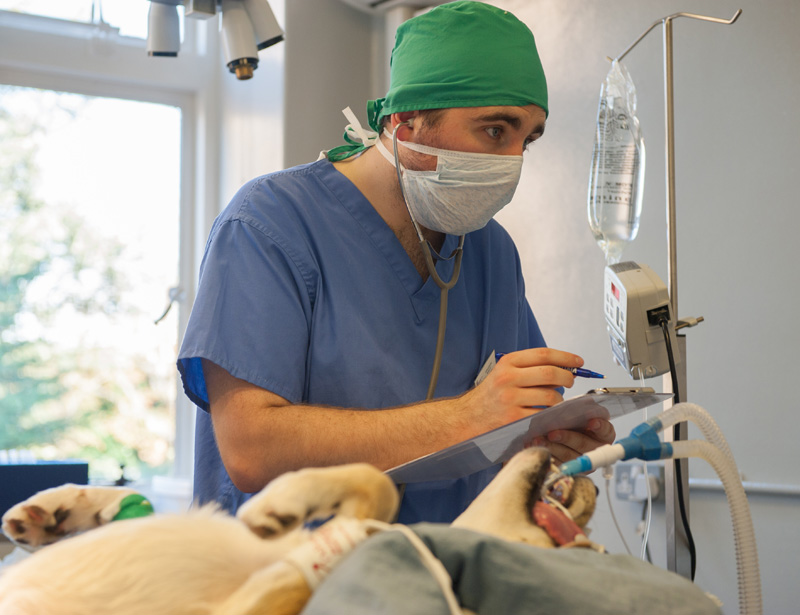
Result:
670,18
672,243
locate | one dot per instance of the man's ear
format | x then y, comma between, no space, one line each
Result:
408,119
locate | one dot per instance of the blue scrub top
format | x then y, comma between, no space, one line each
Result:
306,292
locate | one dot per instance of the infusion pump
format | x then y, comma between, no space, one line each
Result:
636,301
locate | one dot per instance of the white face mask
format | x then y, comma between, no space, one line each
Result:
464,192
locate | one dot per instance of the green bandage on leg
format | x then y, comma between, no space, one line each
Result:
133,506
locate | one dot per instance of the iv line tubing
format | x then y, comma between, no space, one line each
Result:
444,286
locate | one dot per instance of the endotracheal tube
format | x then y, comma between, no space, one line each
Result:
644,443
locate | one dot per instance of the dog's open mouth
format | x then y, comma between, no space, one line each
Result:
550,513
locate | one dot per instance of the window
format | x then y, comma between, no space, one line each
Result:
95,92
89,203
130,16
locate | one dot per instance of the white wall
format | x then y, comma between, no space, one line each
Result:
252,122
737,89
330,53
736,95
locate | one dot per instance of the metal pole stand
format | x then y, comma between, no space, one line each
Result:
678,552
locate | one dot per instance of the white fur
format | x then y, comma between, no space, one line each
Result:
186,563
200,563
502,508
208,563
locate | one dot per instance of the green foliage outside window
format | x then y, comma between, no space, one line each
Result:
77,399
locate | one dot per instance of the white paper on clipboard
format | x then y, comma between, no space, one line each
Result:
501,444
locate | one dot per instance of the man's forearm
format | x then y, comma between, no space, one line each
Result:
278,439
261,435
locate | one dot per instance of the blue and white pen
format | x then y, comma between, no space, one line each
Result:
583,373
578,371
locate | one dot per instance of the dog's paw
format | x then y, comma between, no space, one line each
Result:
52,514
268,518
356,490
32,526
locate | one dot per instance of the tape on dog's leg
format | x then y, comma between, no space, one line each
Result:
326,546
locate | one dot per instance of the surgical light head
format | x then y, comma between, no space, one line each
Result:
246,27
163,30
238,39
266,27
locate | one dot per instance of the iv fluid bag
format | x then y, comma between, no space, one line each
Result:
616,179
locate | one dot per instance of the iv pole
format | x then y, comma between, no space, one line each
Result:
678,556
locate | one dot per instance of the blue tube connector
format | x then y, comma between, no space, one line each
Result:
642,443
576,466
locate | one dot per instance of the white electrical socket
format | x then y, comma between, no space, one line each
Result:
630,482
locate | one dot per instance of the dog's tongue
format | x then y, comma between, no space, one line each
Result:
559,527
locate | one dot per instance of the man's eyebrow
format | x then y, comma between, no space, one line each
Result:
499,116
511,120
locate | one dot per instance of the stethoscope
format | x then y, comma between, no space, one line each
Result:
428,250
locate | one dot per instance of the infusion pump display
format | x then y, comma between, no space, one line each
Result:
635,302
616,305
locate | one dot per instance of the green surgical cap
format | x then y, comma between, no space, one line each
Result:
460,54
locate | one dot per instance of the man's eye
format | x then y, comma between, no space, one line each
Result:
494,132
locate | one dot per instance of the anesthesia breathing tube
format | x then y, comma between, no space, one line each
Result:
427,249
644,443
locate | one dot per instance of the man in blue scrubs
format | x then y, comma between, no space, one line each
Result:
313,334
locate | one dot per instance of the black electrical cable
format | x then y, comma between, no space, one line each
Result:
676,436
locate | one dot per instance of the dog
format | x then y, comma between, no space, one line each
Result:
262,562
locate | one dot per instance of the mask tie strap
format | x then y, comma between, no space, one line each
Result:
356,133
357,137
397,167
424,243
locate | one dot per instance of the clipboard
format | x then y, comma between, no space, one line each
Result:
499,445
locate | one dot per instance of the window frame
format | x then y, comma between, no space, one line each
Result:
54,54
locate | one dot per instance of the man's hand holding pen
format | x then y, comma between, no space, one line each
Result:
525,381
